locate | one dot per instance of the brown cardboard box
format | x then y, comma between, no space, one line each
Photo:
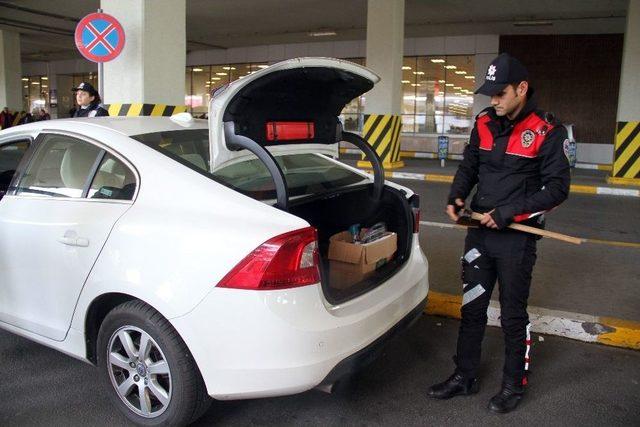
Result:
350,262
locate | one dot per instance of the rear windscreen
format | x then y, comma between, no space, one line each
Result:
188,146
306,174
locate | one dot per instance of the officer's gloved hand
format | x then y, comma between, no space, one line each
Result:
502,216
454,206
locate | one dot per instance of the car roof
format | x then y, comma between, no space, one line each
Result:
126,125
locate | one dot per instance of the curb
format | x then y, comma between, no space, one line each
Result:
575,188
582,327
426,155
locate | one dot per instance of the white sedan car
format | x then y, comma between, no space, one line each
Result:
188,259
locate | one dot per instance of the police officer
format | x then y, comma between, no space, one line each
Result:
88,100
517,160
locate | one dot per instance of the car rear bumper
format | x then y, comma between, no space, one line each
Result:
250,344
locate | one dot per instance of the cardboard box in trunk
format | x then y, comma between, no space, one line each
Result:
350,263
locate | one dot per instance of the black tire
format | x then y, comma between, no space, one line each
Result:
188,399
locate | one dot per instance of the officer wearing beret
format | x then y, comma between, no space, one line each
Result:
88,100
517,161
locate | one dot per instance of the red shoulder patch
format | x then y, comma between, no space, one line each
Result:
527,136
486,137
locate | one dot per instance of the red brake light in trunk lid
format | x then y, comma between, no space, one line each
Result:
290,131
286,261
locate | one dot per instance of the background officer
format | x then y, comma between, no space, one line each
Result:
88,100
516,158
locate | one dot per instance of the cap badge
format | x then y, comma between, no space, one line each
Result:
491,72
527,138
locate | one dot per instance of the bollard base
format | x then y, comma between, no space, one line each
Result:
363,164
623,181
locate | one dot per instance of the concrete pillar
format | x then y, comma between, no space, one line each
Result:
626,164
150,69
10,71
383,104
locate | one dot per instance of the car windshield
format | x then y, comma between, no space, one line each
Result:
306,173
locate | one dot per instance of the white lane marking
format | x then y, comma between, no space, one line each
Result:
618,191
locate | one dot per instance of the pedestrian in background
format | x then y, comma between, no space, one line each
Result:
517,157
88,100
6,118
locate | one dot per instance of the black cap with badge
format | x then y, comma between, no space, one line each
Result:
86,87
502,71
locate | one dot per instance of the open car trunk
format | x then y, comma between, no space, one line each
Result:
335,212
298,102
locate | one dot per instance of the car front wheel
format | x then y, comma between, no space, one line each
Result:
148,369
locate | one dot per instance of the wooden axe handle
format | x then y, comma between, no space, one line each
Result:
538,231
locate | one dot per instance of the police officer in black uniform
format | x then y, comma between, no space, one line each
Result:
88,100
517,159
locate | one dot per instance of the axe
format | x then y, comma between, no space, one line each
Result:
472,219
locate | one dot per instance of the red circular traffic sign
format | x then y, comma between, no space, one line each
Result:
99,37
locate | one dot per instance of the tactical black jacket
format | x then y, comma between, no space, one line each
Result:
520,167
86,112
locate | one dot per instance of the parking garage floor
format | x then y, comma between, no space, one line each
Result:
572,384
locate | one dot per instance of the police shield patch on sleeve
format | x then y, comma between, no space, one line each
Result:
527,138
566,147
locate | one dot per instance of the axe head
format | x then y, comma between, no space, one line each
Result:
464,218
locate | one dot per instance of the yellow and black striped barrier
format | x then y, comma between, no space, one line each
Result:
134,110
626,163
382,132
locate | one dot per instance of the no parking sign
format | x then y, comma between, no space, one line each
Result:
99,37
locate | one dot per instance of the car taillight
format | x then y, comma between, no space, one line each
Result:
416,219
286,261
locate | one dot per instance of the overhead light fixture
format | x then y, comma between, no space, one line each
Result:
215,78
532,23
322,33
35,83
406,81
221,74
44,78
415,84
449,84
263,66
461,72
26,87
419,73
450,67
25,79
457,87
406,67
469,77
197,70
437,61
441,81
45,86
228,68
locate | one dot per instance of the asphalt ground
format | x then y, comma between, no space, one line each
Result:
594,279
572,384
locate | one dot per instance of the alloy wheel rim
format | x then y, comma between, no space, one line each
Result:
139,371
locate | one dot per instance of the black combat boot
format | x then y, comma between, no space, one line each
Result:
455,385
507,399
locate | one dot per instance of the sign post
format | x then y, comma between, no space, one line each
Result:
99,38
443,149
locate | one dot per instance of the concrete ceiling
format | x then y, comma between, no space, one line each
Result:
46,26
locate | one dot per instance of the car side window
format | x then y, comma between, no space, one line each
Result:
10,156
60,167
113,180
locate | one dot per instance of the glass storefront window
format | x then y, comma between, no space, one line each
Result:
437,92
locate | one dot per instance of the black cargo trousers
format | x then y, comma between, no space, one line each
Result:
508,256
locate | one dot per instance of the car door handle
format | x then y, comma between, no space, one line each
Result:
71,238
